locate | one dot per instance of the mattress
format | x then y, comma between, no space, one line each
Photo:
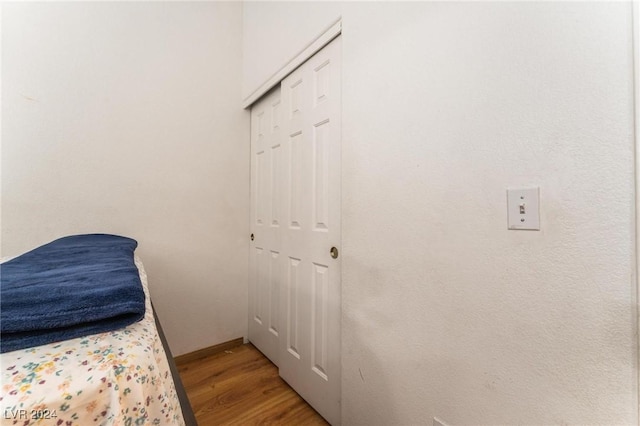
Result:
120,377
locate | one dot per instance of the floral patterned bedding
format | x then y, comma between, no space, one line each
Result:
115,378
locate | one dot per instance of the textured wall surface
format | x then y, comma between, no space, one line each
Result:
446,313
124,118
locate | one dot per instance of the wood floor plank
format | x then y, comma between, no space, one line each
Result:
240,386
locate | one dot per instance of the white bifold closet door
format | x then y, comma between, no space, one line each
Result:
295,293
266,266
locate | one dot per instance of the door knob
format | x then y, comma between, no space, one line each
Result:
334,252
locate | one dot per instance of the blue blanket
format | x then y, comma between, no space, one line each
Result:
71,287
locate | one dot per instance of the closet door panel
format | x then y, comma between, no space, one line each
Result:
266,272
310,355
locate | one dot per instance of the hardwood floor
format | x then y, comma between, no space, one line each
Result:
240,386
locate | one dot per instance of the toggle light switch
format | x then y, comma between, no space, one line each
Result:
523,209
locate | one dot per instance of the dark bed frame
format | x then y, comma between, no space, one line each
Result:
187,411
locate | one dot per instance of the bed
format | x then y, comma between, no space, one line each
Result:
124,376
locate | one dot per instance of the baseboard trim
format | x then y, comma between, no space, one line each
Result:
205,352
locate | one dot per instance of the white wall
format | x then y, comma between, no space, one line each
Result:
445,312
124,118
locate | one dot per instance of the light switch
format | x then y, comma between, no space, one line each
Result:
523,208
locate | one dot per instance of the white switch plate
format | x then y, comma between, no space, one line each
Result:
523,208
